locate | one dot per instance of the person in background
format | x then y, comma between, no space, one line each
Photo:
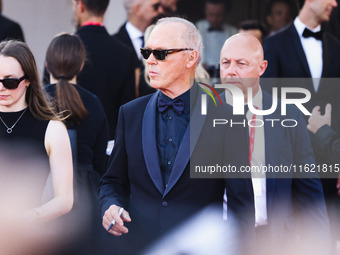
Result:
140,14
84,115
305,50
214,31
109,70
279,15
9,29
169,7
253,27
29,124
333,26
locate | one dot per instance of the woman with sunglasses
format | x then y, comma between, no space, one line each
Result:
27,123
83,114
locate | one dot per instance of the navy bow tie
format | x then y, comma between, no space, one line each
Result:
307,33
177,104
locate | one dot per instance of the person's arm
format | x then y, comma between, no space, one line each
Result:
58,148
114,185
325,139
99,150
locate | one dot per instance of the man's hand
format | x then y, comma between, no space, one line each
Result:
112,214
316,120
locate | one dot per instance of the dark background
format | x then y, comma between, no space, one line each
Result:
237,10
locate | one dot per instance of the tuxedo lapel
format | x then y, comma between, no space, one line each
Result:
123,35
327,57
150,145
197,120
189,139
297,46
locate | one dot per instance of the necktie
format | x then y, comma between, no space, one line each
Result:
251,136
142,40
177,104
307,33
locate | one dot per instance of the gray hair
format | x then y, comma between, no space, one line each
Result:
192,37
129,4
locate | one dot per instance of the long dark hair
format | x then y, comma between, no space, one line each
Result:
35,98
64,58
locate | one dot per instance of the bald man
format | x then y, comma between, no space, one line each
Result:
274,144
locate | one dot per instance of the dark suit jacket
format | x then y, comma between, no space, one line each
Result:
134,180
9,29
328,143
123,36
286,59
108,71
294,199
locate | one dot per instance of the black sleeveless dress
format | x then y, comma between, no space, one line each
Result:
24,164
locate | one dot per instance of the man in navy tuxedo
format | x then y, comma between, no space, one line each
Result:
271,144
149,169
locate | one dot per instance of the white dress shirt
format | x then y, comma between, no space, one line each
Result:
313,51
258,159
135,36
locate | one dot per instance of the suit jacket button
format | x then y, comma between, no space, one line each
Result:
164,203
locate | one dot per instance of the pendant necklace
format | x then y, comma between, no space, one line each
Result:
10,129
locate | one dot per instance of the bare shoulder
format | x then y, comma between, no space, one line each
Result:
56,135
55,127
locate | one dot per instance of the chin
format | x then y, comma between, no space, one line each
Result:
155,84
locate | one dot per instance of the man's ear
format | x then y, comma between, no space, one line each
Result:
136,8
81,6
192,58
263,67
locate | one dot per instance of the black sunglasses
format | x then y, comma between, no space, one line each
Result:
156,6
12,83
159,54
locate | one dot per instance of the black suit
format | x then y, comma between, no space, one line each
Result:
133,179
123,36
9,29
108,71
286,59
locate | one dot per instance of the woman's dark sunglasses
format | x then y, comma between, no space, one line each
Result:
159,54
12,83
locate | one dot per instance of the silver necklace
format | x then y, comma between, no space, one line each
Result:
10,129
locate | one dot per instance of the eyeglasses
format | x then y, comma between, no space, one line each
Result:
160,54
156,6
12,83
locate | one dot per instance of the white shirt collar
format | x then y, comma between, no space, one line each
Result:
133,31
300,27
